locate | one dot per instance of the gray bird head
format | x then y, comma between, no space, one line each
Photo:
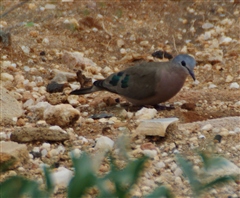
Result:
186,61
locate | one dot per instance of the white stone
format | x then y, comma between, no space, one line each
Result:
3,136
178,172
229,78
60,149
120,43
225,40
36,149
237,104
160,165
155,127
39,108
77,152
25,49
150,153
46,146
45,41
234,85
207,26
211,86
53,152
207,127
107,70
237,129
104,143
6,77
73,100
44,152
62,177
6,64
28,103
50,6
58,128
123,51
144,43
145,113
61,115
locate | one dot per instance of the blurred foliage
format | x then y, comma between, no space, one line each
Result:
197,184
118,182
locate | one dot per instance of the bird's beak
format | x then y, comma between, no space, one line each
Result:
192,74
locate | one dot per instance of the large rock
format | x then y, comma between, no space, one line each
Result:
62,115
29,134
10,107
12,152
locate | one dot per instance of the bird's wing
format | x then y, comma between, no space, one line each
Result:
137,82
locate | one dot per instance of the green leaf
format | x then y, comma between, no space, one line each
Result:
30,24
218,181
49,183
188,171
17,186
124,179
161,191
5,166
84,176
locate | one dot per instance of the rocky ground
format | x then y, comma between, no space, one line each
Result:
50,41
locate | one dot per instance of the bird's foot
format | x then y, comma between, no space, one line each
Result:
163,107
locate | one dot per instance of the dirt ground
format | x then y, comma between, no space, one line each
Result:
97,27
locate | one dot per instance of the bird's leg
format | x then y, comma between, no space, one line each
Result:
159,107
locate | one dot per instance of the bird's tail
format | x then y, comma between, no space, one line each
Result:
83,91
97,86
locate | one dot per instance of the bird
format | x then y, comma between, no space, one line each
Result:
147,83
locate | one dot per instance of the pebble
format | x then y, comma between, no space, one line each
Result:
6,64
104,143
50,6
207,127
120,43
6,77
21,169
150,153
237,129
144,43
62,176
3,136
160,165
207,26
36,149
77,152
44,152
145,114
229,78
60,149
212,86
25,49
234,85
178,172
12,173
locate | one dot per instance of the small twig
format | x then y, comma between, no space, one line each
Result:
13,8
174,44
106,29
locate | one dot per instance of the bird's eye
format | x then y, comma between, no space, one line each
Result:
183,63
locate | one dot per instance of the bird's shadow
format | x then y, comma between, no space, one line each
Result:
158,107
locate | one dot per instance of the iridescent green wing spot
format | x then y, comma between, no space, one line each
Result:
115,79
124,82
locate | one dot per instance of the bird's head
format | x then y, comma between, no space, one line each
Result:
186,61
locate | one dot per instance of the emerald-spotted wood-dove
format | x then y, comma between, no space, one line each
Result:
147,83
